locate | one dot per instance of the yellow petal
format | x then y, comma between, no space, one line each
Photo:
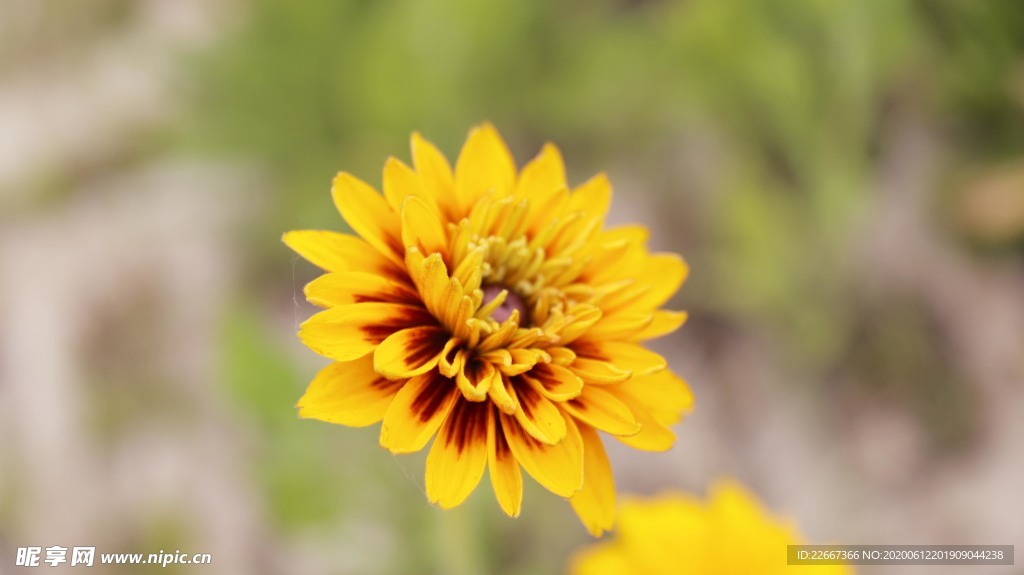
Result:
520,361
664,322
340,288
653,436
665,273
500,392
663,390
601,409
538,416
634,234
506,479
443,296
658,277
417,412
595,503
410,352
436,173
561,355
476,378
348,393
484,165
619,325
542,175
538,221
453,358
599,372
401,182
613,261
542,183
457,459
666,417
559,468
583,321
351,331
369,215
624,356
555,382
592,197
422,227
336,252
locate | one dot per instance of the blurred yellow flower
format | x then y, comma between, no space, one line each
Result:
492,308
730,534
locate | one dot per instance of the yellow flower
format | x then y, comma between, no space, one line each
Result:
730,534
493,309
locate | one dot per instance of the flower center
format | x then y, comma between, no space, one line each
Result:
504,309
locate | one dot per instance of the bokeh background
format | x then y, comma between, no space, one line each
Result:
845,178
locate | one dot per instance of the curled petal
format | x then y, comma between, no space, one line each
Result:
453,358
476,379
555,382
502,395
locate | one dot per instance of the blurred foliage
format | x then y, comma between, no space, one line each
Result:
795,99
256,375
44,37
798,92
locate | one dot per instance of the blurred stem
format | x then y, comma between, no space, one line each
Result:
459,540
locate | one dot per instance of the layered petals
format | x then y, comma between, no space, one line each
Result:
368,214
602,409
416,413
410,352
653,435
559,467
349,332
490,310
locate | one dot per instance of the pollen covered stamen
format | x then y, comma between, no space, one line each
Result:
504,302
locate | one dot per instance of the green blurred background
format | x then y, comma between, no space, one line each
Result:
846,179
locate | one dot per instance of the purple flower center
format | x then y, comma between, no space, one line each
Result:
512,302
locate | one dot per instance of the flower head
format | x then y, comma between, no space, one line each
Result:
491,308
730,534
